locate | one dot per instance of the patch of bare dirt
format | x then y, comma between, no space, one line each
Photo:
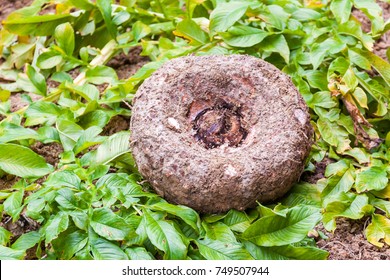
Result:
126,65
8,6
383,43
349,243
51,152
116,124
7,182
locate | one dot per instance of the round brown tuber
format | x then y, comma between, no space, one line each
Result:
220,132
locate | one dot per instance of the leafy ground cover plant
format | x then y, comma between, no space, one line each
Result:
93,204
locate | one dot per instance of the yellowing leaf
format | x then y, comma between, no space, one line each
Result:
378,229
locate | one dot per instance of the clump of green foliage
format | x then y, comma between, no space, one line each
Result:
93,203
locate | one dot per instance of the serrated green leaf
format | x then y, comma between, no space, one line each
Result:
22,162
371,178
106,250
278,231
287,252
113,147
108,225
27,241
378,229
218,250
64,35
243,36
225,15
165,237
55,226
191,31
341,9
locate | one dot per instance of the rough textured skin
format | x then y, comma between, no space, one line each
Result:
265,128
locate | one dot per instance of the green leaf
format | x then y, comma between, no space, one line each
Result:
64,35
43,25
359,154
27,241
140,30
189,30
106,250
88,91
138,253
13,204
359,60
243,36
381,204
11,254
108,225
348,205
22,162
225,15
277,44
341,9
277,230
188,215
303,194
304,14
352,28
371,178
49,59
219,231
338,184
382,66
12,132
55,226
165,237
378,229
287,252
113,147
63,178
42,112
218,250
104,7
37,79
